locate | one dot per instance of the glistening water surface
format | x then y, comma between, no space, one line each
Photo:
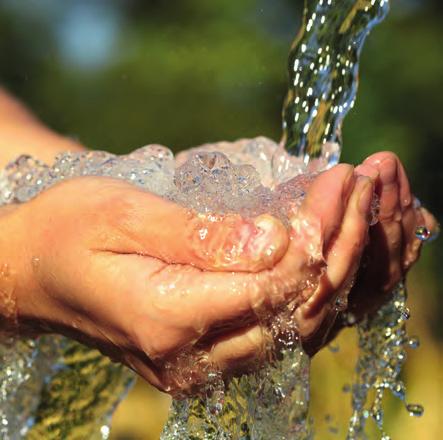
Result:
323,74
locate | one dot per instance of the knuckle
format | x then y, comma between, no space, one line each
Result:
156,348
156,343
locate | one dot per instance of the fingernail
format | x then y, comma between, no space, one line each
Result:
388,171
368,171
366,193
406,201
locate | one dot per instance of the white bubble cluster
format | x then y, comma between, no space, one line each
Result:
218,178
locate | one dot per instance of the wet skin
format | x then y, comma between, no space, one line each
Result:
127,272
393,246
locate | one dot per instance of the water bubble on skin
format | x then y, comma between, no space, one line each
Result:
423,233
6,193
35,261
341,302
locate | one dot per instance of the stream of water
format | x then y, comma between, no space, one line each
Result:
323,74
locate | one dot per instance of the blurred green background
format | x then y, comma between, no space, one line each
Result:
118,74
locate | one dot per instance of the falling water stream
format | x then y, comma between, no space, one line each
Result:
62,389
323,74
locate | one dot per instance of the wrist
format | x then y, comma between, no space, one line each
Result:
8,274
37,142
17,288
22,133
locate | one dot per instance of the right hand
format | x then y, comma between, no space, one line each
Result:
142,278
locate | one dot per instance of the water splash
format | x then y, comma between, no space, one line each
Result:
75,389
269,403
24,366
383,341
323,74
53,388
273,402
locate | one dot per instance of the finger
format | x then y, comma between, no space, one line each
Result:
150,225
404,187
398,219
240,350
324,204
367,170
142,365
412,218
390,233
342,256
390,207
313,226
181,303
188,302
430,222
233,353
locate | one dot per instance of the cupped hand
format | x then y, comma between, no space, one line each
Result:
142,278
394,245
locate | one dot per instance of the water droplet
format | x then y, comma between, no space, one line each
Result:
413,342
416,203
104,430
399,390
349,318
415,409
341,303
334,348
405,314
333,430
422,233
378,416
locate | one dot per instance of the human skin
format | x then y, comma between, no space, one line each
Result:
126,272
392,247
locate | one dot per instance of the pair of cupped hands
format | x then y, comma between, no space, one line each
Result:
142,279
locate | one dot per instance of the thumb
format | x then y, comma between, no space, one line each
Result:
159,228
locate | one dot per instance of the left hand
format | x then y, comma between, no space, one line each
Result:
393,245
